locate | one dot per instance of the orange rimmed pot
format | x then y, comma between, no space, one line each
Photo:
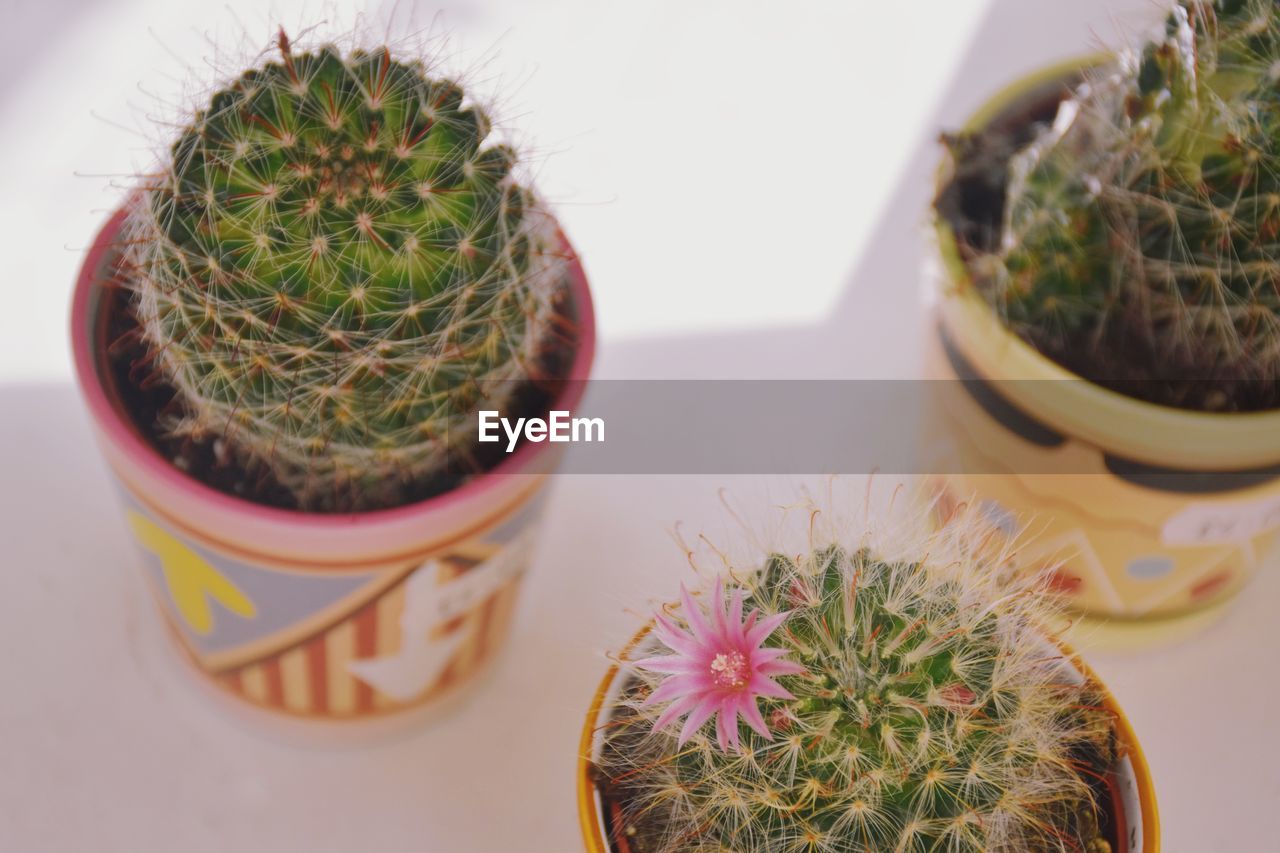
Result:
325,619
1136,818
1152,517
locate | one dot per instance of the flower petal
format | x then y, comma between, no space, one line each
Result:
762,686
781,667
699,715
678,685
702,632
766,626
672,637
697,622
674,711
751,714
718,620
723,737
674,664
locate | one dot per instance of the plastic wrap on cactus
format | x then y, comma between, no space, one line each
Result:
335,267
934,715
1149,212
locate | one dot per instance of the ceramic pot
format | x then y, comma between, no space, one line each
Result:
322,618
1154,517
1133,799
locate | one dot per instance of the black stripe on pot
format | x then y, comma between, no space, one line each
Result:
1188,482
1001,410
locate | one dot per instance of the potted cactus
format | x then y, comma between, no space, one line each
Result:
1113,226
857,695
284,337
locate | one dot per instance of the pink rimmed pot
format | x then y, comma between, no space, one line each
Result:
322,619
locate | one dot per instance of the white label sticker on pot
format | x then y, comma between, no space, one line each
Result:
419,661
431,601
459,596
1218,523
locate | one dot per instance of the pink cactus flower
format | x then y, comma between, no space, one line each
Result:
720,668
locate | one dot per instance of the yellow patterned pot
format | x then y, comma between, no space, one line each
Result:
1133,794
1155,516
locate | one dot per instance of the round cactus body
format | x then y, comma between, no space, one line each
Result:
931,715
1146,219
335,269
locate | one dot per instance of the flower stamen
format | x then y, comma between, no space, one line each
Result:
729,670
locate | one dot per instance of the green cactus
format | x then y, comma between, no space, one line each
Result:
335,268
933,716
1145,221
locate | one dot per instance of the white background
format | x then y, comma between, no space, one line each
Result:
721,164
746,183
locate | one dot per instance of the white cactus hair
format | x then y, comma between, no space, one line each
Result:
1012,750
367,388
1143,223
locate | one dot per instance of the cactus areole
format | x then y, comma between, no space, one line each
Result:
1128,225
333,270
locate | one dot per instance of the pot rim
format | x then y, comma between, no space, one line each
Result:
589,818
145,456
1146,432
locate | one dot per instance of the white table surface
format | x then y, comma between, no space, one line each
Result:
104,748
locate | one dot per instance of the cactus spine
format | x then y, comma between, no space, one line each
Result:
335,267
1146,219
933,716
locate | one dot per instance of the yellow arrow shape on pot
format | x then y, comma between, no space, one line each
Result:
189,577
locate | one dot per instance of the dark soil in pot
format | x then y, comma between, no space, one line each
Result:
145,398
1120,355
